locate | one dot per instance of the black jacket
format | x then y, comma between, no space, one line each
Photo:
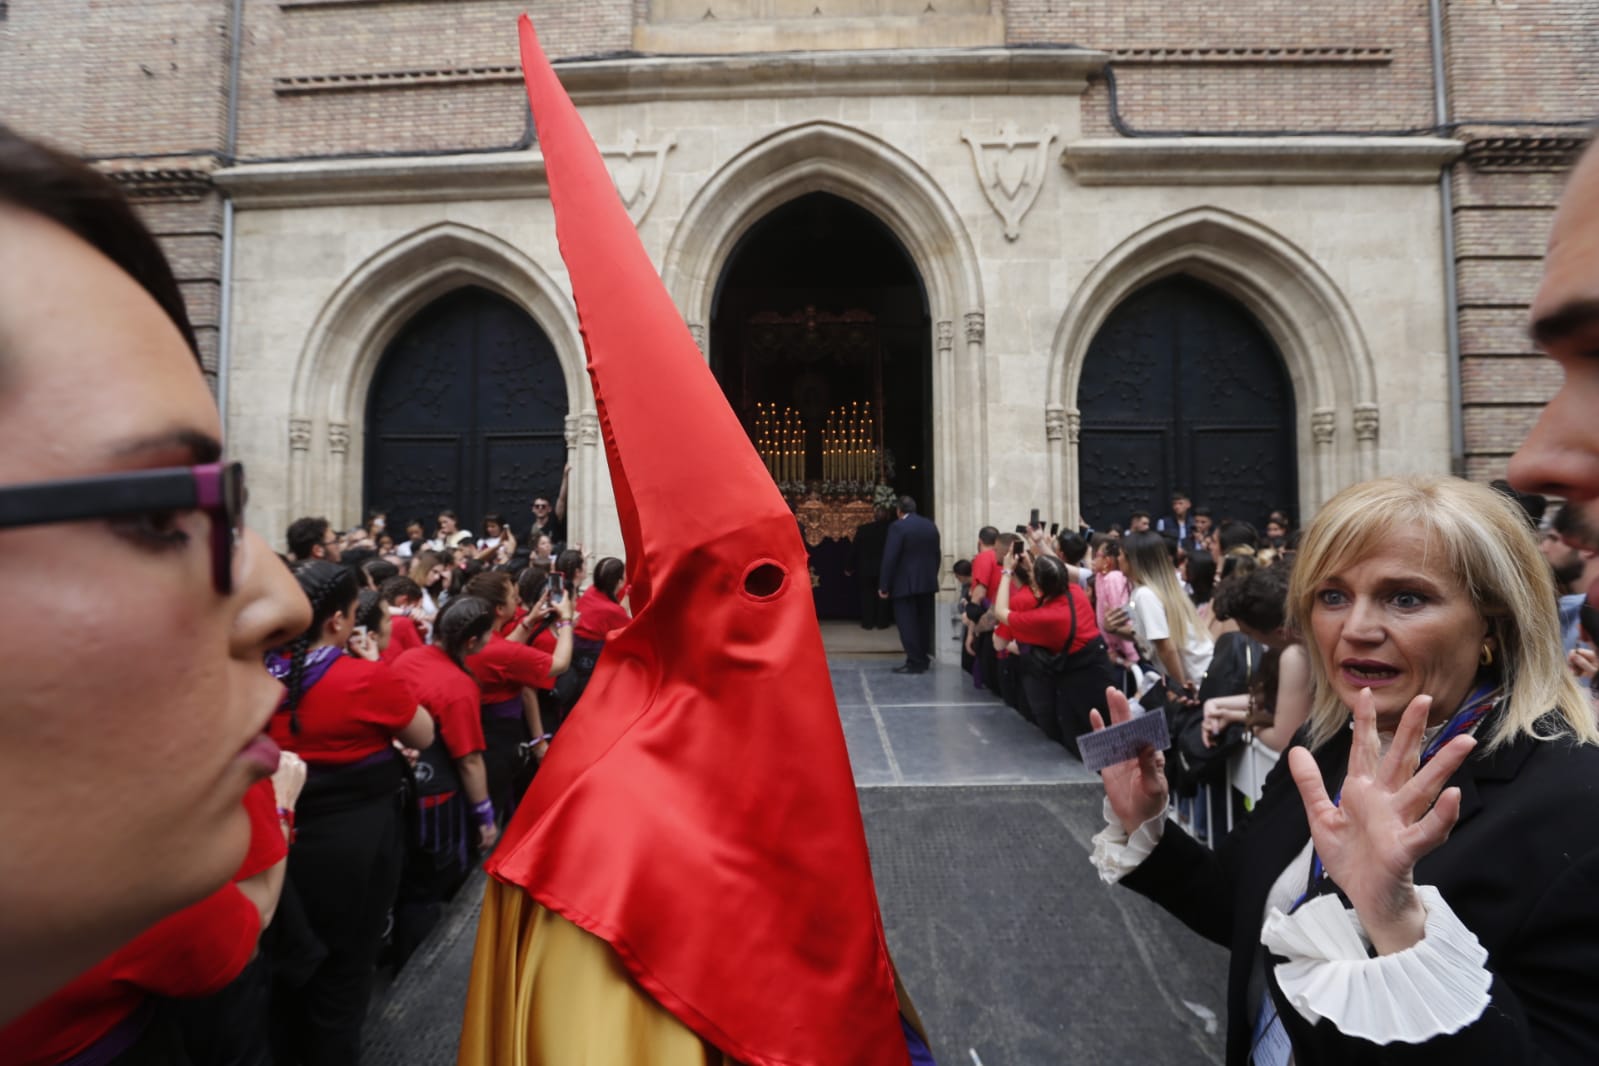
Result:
1521,870
910,557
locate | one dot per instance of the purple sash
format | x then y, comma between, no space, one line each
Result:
318,661
507,709
115,1043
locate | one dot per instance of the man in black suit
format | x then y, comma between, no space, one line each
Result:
909,578
866,564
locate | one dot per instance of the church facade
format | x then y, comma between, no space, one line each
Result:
1072,256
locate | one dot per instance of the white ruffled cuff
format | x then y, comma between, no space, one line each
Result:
1115,853
1438,987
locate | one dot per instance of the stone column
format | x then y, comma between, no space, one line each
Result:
1055,446
1074,488
971,436
299,500
339,491
945,461
1324,460
1366,423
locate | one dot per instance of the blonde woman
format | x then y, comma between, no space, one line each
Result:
1161,617
1374,914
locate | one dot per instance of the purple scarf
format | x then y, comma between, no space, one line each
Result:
318,662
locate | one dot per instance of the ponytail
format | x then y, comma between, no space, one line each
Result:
608,575
463,620
331,588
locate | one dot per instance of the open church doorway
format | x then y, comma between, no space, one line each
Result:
821,339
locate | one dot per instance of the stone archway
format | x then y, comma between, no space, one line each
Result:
347,341
874,175
1307,317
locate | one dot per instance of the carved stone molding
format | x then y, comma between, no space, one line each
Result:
299,434
1054,422
571,431
637,169
588,428
339,437
1524,154
1366,421
946,335
975,327
1011,169
1074,425
341,81
1323,425
697,331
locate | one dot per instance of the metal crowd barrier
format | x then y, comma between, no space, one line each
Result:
1246,774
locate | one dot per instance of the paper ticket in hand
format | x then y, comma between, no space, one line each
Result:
1121,742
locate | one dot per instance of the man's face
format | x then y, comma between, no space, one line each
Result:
1564,559
1139,524
1179,507
1560,457
541,510
328,549
1202,525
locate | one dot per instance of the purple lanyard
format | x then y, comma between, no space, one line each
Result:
1478,704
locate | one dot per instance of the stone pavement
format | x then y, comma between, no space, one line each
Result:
1014,952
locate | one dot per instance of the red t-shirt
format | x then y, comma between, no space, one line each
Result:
504,668
985,571
449,694
516,620
1021,599
194,952
403,636
354,711
1048,626
598,614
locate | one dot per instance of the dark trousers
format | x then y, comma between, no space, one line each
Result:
1060,702
345,868
914,617
876,612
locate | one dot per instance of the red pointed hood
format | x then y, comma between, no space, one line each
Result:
697,810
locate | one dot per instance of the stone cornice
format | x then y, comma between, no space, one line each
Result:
413,179
925,72
1260,160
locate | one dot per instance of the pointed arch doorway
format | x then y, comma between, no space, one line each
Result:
819,308
466,412
1182,389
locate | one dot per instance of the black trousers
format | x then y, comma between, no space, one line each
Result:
1060,702
914,617
876,612
345,868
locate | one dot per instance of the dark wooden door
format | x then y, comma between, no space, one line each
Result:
1183,389
467,412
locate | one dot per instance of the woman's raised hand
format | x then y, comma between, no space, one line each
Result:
1388,817
363,645
1137,788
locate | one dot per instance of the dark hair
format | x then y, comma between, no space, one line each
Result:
467,571
1236,568
331,589
1532,505
1049,574
962,568
463,620
1201,576
1263,690
907,505
1281,518
1237,535
369,610
451,515
495,588
356,559
1136,515
1258,599
379,570
494,517
1570,523
1200,512
1072,547
608,575
399,585
567,564
1109,545
304,535
987,535
1179,494
530,584
63,189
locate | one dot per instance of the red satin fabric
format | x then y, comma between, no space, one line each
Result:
698,811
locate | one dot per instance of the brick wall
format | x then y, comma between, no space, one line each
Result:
1505,62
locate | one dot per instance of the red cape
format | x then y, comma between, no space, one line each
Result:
698,811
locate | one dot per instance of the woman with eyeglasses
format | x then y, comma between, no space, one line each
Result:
119,524
343,710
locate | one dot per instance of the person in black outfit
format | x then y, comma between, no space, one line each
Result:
866,563
909,578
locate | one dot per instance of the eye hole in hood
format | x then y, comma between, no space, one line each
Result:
764,580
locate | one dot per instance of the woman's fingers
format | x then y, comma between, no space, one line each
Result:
1365,749
1095,721
1434,829
1417,794
1312,791
1405,753
1119,710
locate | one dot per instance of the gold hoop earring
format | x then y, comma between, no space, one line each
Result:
1487,656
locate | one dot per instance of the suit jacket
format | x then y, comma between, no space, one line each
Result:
911,557
1521,871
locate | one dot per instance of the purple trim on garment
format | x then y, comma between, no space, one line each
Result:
318,661
511,708
377,758
920,1054
114,1044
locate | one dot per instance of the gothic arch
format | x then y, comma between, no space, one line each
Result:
829,157
1293,298
341,353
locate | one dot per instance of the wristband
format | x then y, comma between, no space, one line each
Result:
286,819
536,741
484,812
562,624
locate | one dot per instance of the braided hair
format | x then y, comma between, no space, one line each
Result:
463,620
331,588
567,564
369,610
